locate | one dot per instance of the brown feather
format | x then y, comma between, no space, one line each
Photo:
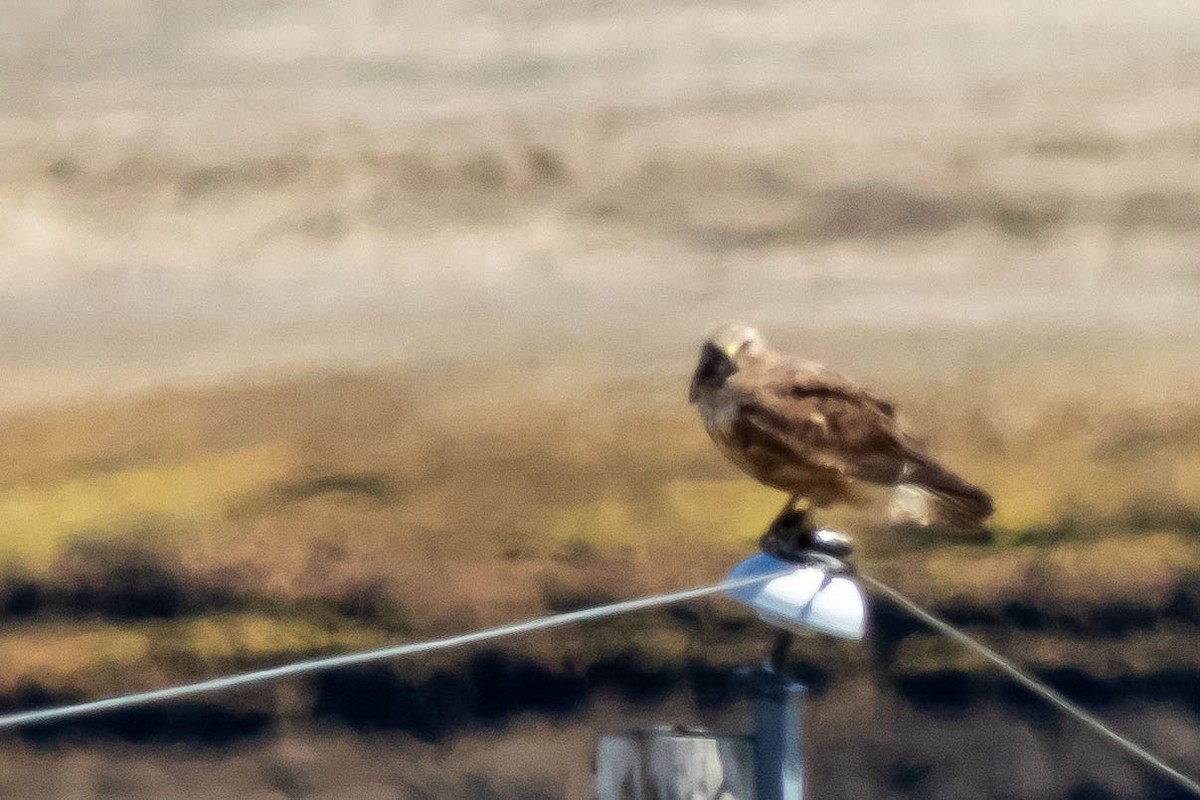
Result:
802,428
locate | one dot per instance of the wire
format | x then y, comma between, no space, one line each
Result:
53,714
24,718
1034,685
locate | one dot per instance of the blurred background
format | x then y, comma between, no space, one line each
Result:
330,324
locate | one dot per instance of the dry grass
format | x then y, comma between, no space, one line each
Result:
348,500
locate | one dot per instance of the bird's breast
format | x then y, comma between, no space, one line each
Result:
773,464
721,416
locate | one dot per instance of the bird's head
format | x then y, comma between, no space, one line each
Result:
725,351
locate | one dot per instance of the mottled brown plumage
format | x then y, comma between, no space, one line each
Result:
802,428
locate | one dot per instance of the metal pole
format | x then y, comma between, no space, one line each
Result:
833,605
778,737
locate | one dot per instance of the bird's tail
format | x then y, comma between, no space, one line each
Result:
933,495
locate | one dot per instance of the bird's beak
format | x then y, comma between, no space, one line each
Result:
714,366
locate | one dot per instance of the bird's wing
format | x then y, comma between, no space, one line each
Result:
825,420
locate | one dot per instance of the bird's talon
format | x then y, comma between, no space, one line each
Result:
790,524
792,538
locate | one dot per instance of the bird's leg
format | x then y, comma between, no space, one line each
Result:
792,517
790,531
788,507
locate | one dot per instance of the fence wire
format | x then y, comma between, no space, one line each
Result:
58,713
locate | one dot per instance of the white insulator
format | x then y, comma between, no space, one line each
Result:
808,600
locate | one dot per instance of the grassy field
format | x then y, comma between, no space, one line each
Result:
238,514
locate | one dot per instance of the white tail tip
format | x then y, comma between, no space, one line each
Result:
909,505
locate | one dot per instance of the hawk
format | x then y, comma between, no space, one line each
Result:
800,427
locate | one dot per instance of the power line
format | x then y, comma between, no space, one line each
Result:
1034,685
25,718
